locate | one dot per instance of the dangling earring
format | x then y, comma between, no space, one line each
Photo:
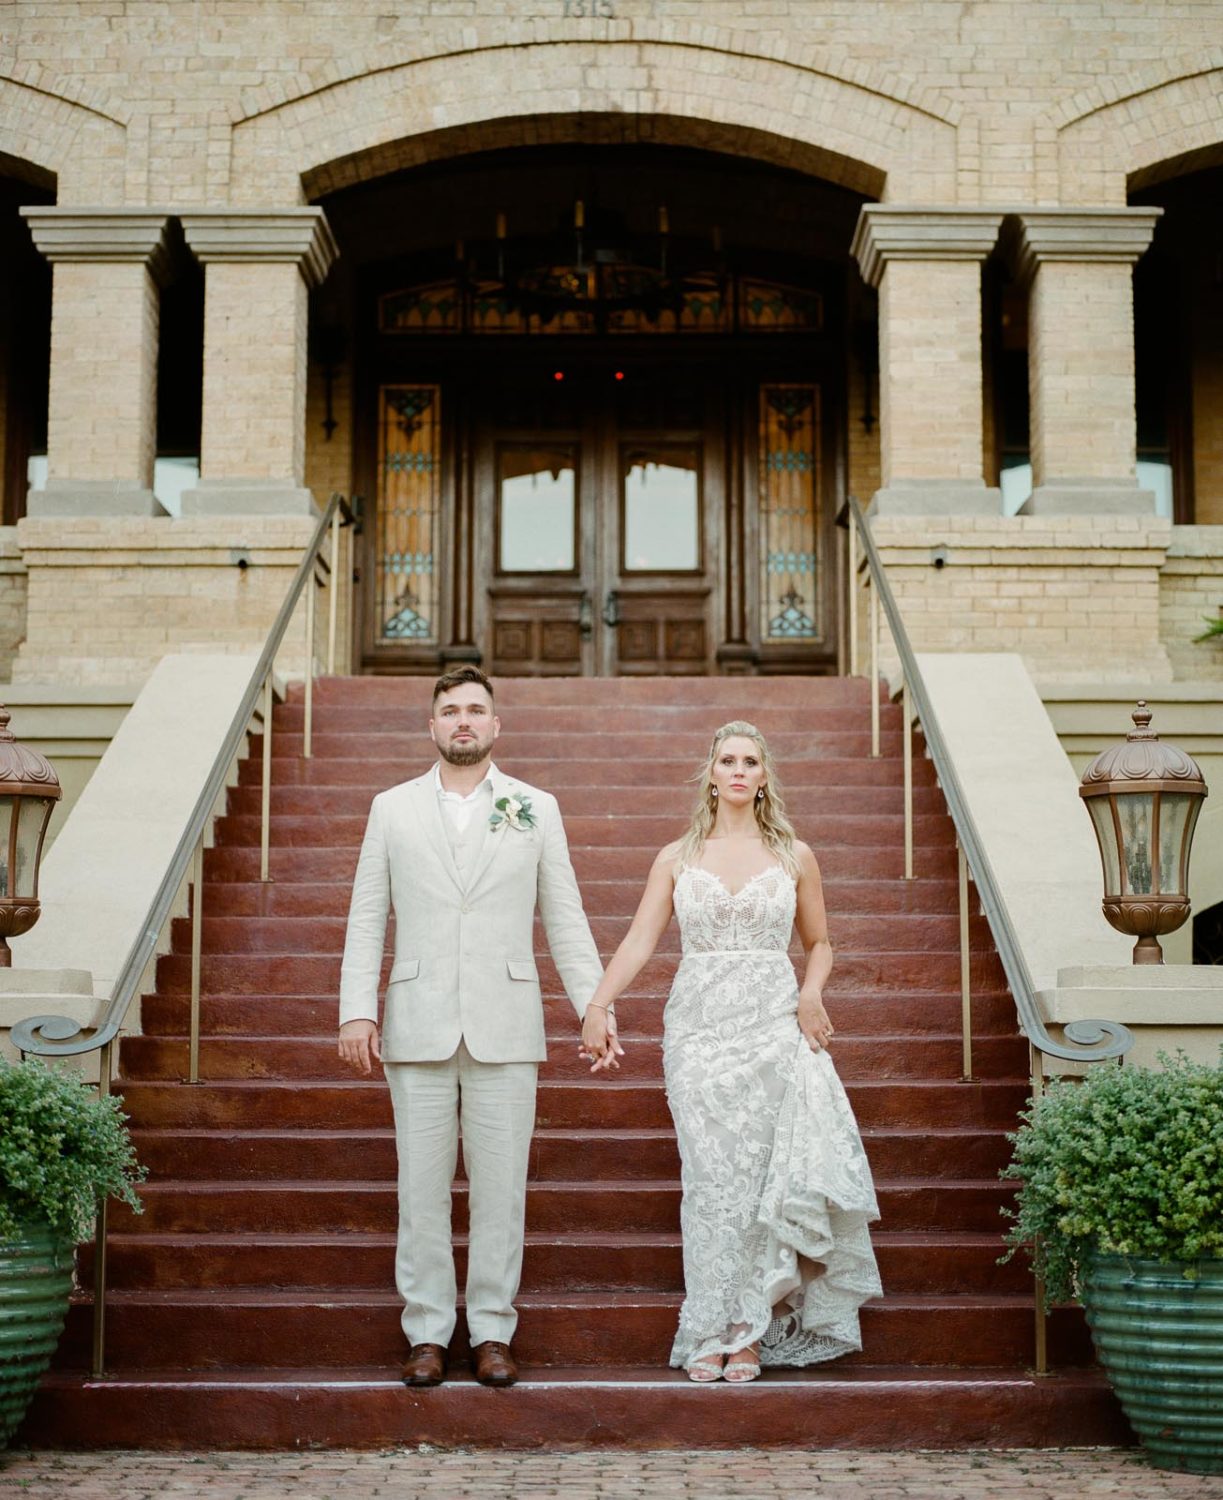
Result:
760,795
713,792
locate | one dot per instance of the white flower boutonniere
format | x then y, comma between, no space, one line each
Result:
513,812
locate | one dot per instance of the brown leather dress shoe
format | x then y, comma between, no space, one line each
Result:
494,1364
425,1365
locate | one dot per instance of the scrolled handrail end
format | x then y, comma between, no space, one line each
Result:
58,1036
1092,1041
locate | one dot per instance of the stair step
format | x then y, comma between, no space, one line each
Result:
368,1156
210,1329
911,1013
276,1057
596,1103
643,1206
862,1406
910,1262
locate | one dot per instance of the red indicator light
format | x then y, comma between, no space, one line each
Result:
558,375
619,374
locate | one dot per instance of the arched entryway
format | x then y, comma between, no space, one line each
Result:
599,409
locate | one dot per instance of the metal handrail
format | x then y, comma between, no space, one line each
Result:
60,1036
1090,1041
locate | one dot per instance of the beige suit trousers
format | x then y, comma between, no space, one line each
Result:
495,1104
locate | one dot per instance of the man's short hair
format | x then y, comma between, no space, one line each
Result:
460,677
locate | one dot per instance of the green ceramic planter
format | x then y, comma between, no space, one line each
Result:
1160,1339
35,1280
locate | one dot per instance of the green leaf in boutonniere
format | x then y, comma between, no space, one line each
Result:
513,812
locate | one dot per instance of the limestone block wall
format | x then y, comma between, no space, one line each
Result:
1190,593
12,600
1078,597
109,597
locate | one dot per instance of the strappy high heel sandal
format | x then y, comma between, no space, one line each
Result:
706,1370
739,1371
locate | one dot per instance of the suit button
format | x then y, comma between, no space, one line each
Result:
465,910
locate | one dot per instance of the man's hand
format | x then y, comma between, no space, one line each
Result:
600,1044
359,1046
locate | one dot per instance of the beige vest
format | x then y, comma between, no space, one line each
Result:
467,846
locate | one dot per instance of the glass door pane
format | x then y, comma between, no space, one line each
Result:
537,503
662,509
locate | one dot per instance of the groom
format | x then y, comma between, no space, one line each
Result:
462,854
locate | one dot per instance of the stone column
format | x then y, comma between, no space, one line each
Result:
1081,358
259,268
926,263
102,417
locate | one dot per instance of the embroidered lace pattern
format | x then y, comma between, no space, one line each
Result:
777,1192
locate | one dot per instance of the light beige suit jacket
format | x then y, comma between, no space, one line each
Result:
464,964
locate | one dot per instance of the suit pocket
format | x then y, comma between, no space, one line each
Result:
406,968
522,968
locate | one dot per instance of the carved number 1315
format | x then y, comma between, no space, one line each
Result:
579,8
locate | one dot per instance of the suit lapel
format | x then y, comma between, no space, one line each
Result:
431,821
494,837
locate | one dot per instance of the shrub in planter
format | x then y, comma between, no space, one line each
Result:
1121,1208
62,1148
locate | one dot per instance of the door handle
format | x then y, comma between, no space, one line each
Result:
586,620
611,608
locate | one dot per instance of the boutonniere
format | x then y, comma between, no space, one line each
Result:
512,812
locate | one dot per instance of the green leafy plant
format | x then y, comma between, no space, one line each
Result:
61,1149
1214,628
1128,1161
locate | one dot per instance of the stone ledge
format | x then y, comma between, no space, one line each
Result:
884,233
89,235
1077,234
296,236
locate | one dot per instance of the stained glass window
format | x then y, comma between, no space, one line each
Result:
409,506
767,307
789,511
422,309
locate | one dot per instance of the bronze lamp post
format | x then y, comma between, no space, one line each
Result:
1144,797
29,790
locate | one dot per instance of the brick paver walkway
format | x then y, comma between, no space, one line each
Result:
739,1475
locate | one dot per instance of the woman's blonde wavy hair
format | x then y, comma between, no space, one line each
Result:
776,830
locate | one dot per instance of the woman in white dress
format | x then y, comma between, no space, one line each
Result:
777,1192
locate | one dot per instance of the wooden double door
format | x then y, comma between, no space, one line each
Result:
600,488
576,511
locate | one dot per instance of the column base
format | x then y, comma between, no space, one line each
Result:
935,497
248,497
1089,497
92,497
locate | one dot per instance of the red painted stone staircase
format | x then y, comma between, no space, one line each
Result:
252,1304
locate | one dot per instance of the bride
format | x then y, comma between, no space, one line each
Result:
777,1192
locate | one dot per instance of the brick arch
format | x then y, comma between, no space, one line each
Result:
401,115
1144,135
72,146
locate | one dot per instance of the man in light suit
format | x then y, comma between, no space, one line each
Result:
463,854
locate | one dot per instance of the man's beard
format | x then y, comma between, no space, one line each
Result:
464,755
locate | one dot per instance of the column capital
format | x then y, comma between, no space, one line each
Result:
126,235
1082,234
887,233
296,236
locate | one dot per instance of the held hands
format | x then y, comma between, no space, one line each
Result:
600,1043
359,1044
813,1022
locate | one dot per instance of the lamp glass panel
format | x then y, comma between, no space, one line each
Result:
1101,810
1136,813
7,813
31,815
1174,812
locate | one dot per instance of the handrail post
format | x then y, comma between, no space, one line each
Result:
197,937
265,817
333,599
853,593
308,726
874,629
965,965
98,1353
1041,1330
907,710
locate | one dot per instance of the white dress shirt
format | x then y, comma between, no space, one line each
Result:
459,810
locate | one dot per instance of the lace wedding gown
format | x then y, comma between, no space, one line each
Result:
777,1192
